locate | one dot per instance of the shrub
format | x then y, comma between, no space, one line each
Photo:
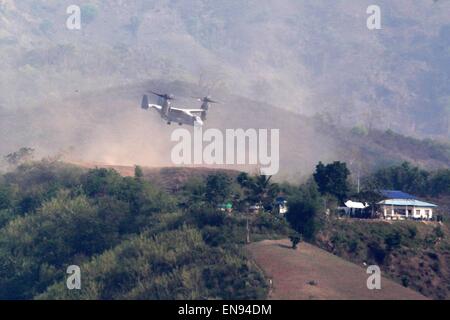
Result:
353,246
405,281
393,240
438,232
295,239
377,252
412,232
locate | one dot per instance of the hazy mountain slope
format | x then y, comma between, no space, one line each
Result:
306,56
109,127
78,92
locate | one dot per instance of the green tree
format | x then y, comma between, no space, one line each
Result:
303,211
193,193
403,177
98,182
138,172
258,189
218,188
333,179
440,182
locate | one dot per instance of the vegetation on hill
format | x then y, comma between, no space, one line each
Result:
412,179
135,240
416,255
131,239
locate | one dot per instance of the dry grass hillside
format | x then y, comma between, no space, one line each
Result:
310,273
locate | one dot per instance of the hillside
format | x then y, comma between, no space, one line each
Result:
87,177
414,254
303,54
310,273
263,58
165,221
109,127
131,238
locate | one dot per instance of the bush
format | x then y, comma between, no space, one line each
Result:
206,216
302,216
393,240
376,252
267,223
405,281
295,239
353,246
412,232
439,233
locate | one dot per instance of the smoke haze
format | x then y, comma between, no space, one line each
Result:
276,64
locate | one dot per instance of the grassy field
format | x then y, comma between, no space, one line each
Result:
312,273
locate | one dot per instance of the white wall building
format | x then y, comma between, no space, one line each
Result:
402,209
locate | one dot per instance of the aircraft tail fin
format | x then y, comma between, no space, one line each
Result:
144,104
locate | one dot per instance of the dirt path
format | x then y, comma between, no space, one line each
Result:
312,273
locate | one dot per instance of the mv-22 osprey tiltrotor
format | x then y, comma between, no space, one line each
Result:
192,117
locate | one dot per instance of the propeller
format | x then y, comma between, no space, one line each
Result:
206,99
164,96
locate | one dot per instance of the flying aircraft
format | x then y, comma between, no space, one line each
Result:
192,117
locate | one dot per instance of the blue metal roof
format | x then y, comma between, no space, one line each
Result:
396,194
408,202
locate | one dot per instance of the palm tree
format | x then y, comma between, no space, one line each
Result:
259,189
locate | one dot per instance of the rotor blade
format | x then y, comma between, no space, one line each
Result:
158,94
205,99
164,96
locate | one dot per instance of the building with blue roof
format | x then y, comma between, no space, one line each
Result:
399,205
396,194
